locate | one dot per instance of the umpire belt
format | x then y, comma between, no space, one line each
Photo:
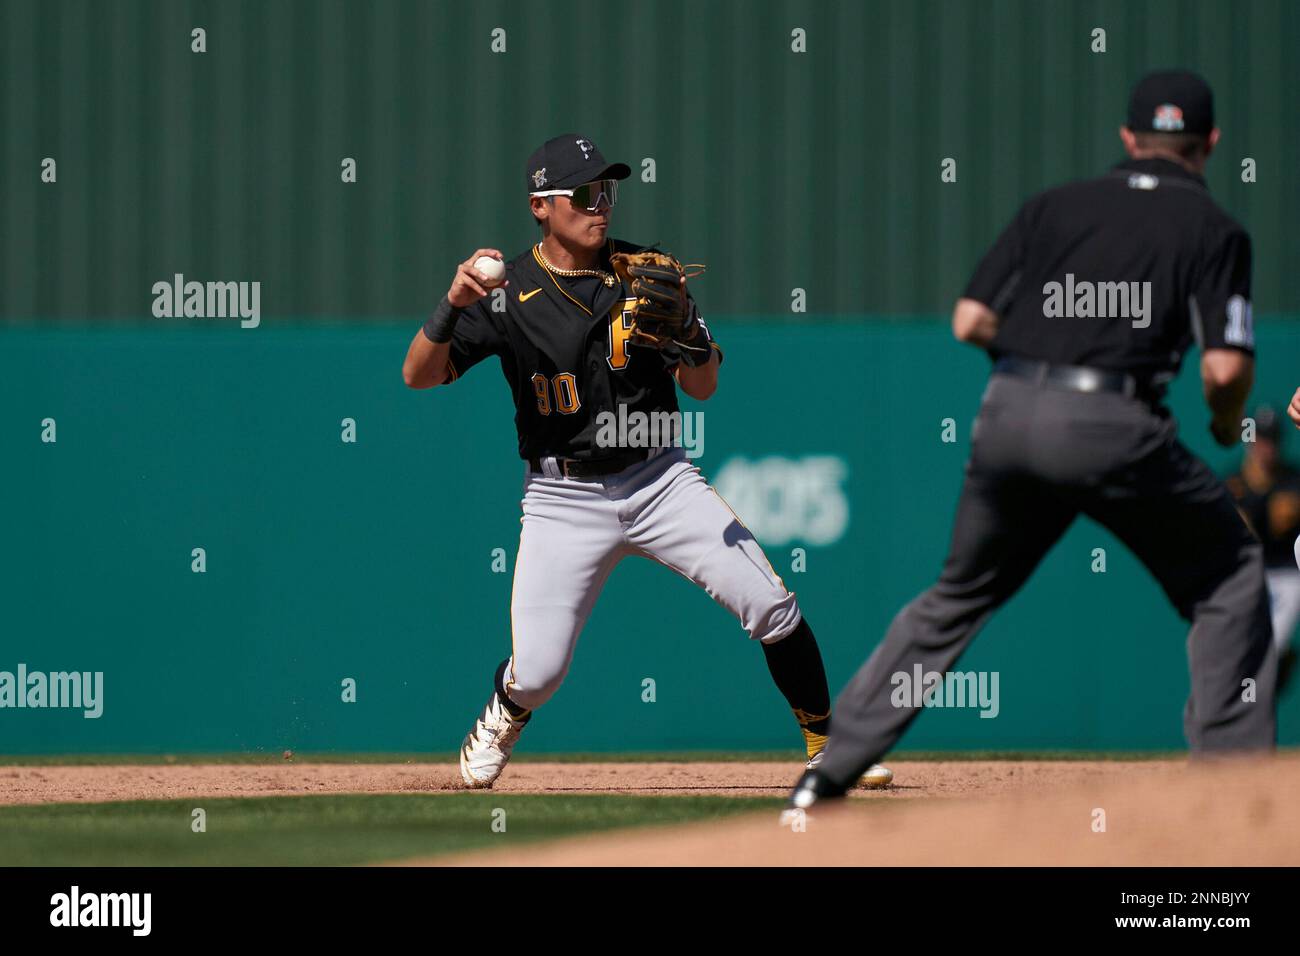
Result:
592,467
1078,378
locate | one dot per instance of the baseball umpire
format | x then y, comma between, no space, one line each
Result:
1087,303
594,329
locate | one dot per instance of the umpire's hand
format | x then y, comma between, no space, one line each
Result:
1294,408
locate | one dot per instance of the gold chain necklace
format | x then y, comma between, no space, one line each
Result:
599,274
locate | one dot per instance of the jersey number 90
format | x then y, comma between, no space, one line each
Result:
565,388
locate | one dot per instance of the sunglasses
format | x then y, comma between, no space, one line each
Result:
588,196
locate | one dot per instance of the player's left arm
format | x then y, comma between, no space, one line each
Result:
697,372
701,381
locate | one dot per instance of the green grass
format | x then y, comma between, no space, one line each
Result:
324,830
665,756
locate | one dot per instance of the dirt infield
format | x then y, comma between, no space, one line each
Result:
1156,812
74,784
1234,814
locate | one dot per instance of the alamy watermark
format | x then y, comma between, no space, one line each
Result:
77,690
75,908
921,688
1098,300
208,300
638,429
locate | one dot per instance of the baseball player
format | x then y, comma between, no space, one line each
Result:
591,325
1086,304
1293,412
1267,492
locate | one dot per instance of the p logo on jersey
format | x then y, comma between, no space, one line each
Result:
1168,118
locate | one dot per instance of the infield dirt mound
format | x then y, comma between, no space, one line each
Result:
1233,813
76,784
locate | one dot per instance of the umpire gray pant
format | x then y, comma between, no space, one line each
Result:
1039,457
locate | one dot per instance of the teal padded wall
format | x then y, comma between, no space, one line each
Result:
374,560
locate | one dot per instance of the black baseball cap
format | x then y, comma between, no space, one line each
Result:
1171,101
567,161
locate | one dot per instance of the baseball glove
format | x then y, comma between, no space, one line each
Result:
661,316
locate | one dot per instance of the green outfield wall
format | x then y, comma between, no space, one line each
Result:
374,560
817,170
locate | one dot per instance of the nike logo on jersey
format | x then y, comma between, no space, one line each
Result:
525,296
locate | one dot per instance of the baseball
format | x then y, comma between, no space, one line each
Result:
876,777
493,269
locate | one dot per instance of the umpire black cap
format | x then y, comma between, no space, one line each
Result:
567,161
1171,101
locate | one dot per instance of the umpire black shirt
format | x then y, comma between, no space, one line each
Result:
1120,272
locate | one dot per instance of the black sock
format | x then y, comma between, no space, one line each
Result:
796,665
499,682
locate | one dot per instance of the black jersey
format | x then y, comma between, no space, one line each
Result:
1119,272
1272,509
564,348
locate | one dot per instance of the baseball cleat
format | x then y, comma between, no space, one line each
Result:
876,777
487,747
812,790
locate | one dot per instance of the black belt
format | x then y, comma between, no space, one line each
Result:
595,467
1078,378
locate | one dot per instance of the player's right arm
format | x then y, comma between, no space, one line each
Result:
429,354
426,362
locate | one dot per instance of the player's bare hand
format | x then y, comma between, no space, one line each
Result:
1293,409
470,285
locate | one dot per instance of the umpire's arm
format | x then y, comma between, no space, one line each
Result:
1224,328
992,288
974,322
1227,375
